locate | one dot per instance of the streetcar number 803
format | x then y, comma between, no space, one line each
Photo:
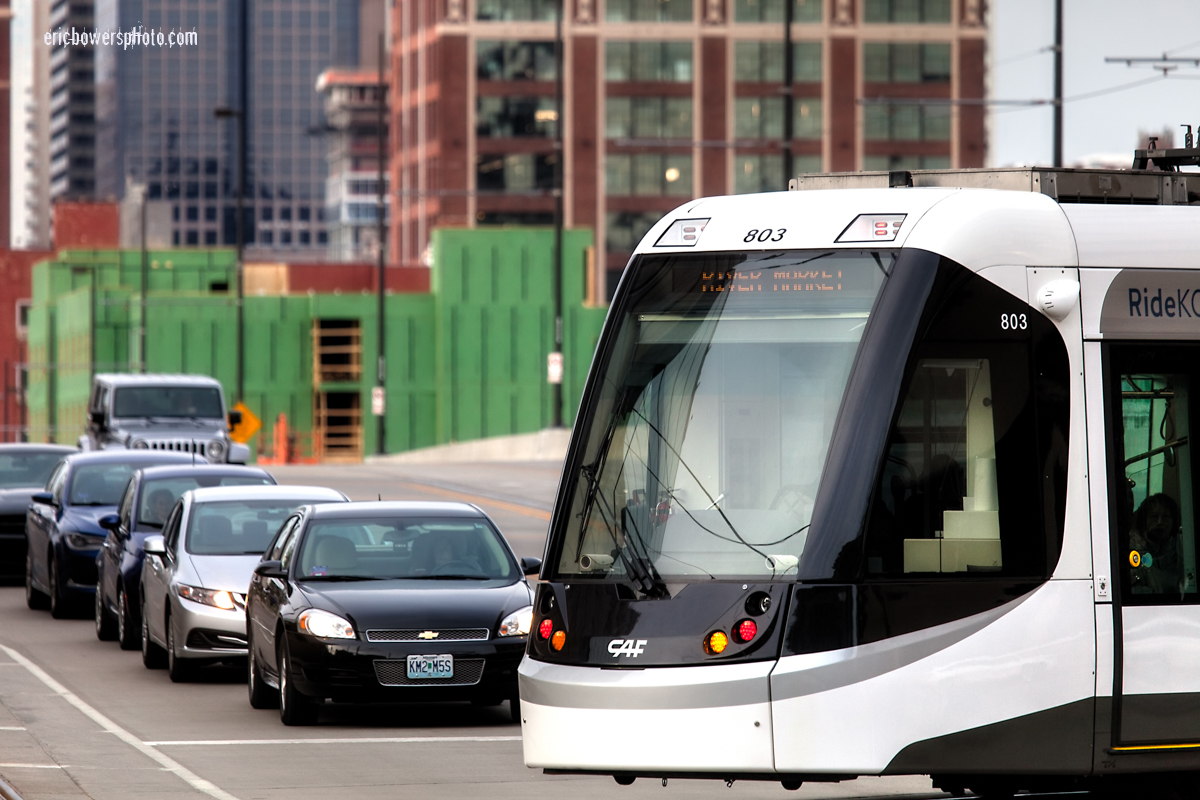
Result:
1013,322
765,235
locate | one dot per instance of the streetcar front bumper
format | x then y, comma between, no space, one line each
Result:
712,720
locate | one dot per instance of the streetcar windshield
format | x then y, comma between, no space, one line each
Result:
714,413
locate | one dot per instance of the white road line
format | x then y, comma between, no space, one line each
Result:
10,728
364,740
32,766
192,779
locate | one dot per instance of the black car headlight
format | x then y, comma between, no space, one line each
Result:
518,623
324,625
81,541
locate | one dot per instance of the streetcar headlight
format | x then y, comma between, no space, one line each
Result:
518,623
217,598
745,630
324,625
715,643
139,444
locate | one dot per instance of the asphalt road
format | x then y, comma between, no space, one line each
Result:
81,718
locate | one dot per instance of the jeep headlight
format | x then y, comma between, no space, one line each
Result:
139,444
215,449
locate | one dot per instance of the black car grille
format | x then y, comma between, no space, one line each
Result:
12,525
418,635
201,639
467,672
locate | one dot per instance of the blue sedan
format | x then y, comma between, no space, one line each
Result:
63,524
144,508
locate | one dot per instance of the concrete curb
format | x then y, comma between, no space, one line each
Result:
545,445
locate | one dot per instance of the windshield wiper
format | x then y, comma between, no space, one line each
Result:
336,578
446,578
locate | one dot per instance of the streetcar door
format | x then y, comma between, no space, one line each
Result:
1152,397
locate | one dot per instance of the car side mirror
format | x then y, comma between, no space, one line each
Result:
45,498
96,417
154,546
531,565
110,522
270,569
235,418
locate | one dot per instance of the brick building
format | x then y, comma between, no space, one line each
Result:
665,100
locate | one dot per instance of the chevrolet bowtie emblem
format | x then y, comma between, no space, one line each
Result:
427,635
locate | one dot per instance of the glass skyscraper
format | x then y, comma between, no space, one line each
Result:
156,127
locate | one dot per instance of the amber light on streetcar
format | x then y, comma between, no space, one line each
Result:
559,640
746,630
715,643
545,628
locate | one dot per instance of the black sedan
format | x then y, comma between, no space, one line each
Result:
148,500
63,523
386,602
24,469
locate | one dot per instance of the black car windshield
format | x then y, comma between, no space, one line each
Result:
428,548
714,413
159,496
99,484
238,527
26,469
167,401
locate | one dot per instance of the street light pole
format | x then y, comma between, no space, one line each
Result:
226,113
381,236
1058,83
556,401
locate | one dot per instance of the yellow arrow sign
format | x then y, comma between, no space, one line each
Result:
244,430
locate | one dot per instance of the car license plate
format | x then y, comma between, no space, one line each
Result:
420,667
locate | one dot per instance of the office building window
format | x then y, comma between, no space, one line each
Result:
515,10
285,237
305,237
514,117
285,214
648,118
193,237
762,118
906,123
515,218
893,62
648,10
268,213
521,172
514,61
936,11
266,237
756,172
193,213
890,163
210,237
763,62
648,174
624,229
648,61
773,10
210,213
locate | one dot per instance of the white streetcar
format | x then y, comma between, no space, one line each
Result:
878,481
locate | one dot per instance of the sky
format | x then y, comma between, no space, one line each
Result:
1097,123
1092,30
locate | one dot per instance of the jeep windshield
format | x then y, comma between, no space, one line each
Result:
722,378
167,401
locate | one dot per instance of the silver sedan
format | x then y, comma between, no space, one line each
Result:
196,574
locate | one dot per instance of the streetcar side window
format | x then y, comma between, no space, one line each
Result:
1154,491
962,491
